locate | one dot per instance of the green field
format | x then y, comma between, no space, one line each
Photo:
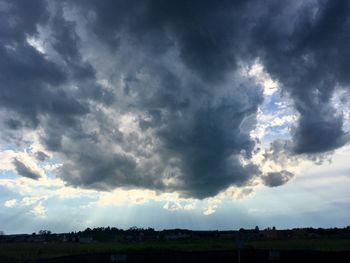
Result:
51,250
34,251
303,244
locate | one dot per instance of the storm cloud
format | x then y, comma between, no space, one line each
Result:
274,179
149,94
306,51
24,170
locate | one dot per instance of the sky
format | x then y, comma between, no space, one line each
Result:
196,114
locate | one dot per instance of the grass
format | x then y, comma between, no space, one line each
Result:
303,244
33,251
52,250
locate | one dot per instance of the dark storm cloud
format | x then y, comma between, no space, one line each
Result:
303,45
24,170
274,179
207,33
19,18
148,93
194,132
13,124
310,59
208,145
194,143
30,83
41,156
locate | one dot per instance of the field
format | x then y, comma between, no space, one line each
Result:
50,250
303,244
33,251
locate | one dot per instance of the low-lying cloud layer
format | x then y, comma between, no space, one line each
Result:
149,94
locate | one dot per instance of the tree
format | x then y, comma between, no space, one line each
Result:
44,232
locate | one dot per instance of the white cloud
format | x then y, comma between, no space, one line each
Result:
209,210
188,207
39,210
121,196
172,206
258,72
238,193
26,158
212,205
10,203
34,202
31,200
6,159
36,43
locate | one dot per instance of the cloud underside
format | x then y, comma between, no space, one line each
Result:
158,102
274,179
24,170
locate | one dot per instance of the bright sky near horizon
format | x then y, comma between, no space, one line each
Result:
174,114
